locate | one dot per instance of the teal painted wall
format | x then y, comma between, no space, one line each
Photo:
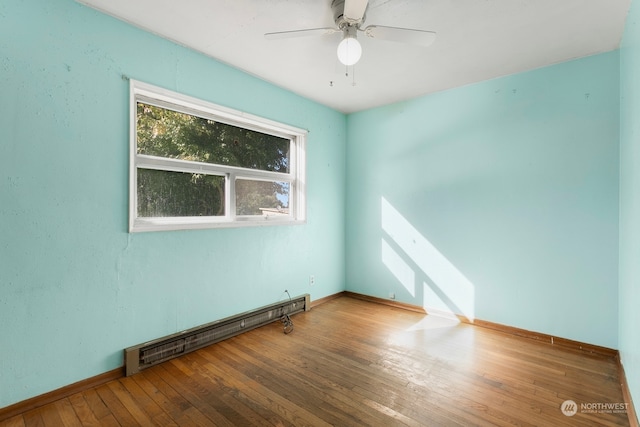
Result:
630,201
498,200
72,280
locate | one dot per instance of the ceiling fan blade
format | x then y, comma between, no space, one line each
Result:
300,33
401,35
354,9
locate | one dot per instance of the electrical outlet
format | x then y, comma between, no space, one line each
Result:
392,295
312,280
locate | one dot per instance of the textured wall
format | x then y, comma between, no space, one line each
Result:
497,200
630,202
75,287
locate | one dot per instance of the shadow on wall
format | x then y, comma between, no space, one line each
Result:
421,268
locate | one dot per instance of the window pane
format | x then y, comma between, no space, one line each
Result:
165,194
166,133
266,198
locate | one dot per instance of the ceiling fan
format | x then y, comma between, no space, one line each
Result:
349,15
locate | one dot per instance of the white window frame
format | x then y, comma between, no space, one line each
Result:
149,94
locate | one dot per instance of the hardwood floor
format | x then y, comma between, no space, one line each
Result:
353,363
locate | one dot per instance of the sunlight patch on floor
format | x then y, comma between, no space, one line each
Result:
432,321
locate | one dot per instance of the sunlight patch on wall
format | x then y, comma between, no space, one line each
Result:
400,269
444,280
434,302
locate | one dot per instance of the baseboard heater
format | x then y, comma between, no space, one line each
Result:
151,353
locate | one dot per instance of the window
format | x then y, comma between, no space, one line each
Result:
198,165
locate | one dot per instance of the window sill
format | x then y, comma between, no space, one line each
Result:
174,224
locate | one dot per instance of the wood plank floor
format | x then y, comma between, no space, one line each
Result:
353,363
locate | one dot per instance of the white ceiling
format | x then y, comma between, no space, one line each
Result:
476,40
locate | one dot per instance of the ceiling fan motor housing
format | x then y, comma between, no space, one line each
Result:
337,6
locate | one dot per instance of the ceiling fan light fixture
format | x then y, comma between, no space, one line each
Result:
349,49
